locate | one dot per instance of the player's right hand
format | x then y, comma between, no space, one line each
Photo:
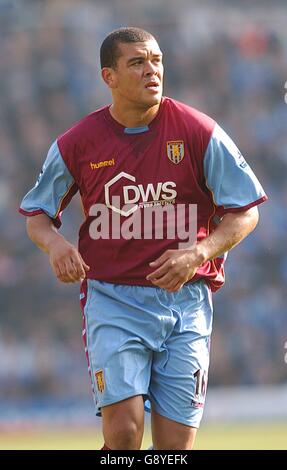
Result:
66,262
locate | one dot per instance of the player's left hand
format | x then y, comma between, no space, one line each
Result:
174,268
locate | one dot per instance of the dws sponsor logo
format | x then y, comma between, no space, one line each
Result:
136,194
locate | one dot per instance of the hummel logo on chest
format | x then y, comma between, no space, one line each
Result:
96,165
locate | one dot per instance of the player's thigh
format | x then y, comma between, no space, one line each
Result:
123,423
119,360
177,393
179,370
171,435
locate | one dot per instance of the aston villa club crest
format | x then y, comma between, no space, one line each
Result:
100,380
175,150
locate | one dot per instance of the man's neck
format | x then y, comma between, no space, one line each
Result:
129,117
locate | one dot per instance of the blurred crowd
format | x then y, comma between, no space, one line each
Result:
230,68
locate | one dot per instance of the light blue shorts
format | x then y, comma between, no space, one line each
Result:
147,341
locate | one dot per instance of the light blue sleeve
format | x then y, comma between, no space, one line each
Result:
53,190
228,176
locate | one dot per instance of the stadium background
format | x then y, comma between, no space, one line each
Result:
228,58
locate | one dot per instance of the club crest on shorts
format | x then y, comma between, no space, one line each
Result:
175,150
99,374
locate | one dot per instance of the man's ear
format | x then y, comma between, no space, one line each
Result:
109,77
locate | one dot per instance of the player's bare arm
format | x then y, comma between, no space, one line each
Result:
67,263
175,267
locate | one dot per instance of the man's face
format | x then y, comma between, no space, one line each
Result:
138,76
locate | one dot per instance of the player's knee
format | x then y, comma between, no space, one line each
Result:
122,434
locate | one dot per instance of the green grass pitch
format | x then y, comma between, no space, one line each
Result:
223,436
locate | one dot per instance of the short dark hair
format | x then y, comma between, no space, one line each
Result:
109,52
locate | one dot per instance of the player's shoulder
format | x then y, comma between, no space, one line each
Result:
82,129
189,115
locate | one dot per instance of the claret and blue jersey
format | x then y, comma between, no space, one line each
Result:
182,157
